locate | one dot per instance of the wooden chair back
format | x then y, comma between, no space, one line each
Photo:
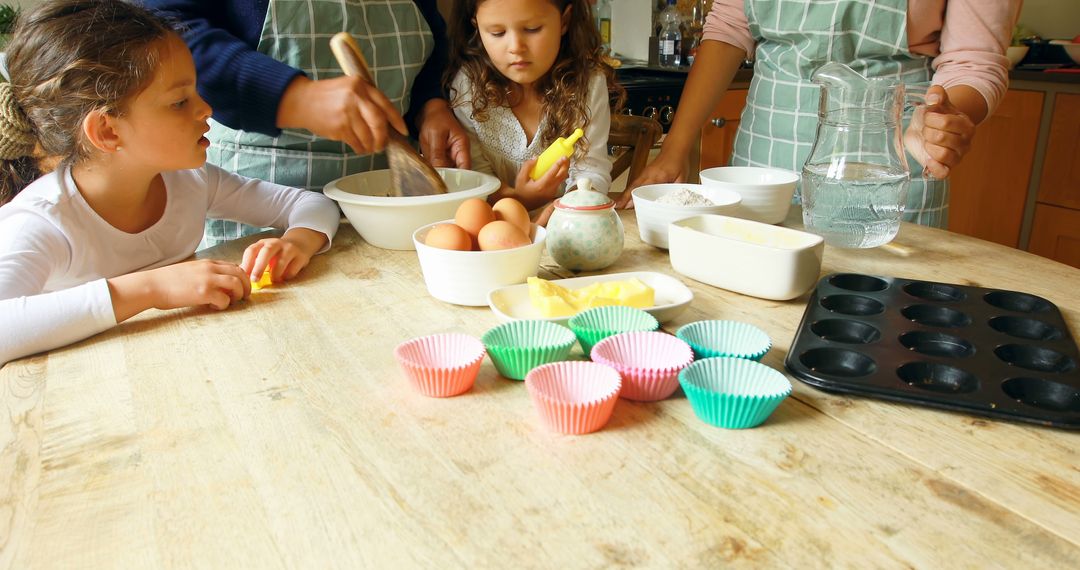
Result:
631,138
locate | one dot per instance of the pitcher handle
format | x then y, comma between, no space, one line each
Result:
915,99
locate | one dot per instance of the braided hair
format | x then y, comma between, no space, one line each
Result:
66,59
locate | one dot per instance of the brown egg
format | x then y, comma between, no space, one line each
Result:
501,235
510,210
449,236
472,215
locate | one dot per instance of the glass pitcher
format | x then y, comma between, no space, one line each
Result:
855,181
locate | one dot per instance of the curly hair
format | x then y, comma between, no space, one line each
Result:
563,90
66,59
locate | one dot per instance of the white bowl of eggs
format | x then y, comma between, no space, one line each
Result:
482,248
389,221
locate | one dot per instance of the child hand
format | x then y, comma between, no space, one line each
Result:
535,193
284,258
939,134
194,283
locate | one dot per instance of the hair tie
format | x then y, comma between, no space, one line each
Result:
16,132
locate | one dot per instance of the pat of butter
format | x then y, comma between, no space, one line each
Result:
556,301
781,240
263,281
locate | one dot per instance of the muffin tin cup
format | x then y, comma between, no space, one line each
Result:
733,393
574,397
441,365
517,347
710,339
596,324
648,362
991,352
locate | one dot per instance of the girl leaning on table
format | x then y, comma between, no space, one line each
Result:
521,74
108,89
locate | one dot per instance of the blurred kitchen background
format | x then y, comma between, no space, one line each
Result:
1018,186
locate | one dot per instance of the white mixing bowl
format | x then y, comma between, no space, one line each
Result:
389,221
654,216
766,192
466,277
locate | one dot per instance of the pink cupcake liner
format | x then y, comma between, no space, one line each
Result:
441,365
573,397
649,363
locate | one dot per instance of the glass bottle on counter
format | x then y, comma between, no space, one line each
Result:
694,30
670,44
603,23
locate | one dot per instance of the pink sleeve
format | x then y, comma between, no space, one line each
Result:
973,41
727,23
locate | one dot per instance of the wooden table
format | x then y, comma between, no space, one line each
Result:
280,433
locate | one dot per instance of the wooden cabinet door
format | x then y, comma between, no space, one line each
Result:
1055,233
989,187
1060,183
718,132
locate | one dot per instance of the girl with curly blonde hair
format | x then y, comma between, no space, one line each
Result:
521,74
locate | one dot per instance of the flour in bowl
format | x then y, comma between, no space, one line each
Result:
684,197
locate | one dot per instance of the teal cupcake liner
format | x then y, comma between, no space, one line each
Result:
596,324
710,339
517,347
733,393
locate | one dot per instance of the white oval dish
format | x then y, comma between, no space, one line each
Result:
672,296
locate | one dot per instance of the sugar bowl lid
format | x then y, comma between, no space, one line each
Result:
584,198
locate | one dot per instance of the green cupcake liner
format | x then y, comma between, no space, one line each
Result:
517,347
733,393
596,324
711,339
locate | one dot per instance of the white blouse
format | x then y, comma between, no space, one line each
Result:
499,145
56,252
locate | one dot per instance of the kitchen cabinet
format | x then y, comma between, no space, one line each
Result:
718,133
989,188
1055,233
1060,183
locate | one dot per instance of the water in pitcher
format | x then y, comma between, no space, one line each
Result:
858,211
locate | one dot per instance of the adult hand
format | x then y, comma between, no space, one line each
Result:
346,109
535,193
443,141
939,134
660,171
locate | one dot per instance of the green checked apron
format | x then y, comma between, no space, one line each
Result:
793,39
396,42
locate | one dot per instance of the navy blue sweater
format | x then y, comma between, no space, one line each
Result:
244,86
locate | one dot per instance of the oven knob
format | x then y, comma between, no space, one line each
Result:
666,113
719,122
648,112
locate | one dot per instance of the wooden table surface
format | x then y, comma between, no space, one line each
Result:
281,433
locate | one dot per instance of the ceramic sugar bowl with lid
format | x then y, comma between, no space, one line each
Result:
585,232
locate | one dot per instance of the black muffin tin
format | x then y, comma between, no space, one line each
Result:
1003,354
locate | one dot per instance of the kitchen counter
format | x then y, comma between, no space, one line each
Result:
1036,76
281,433
744,74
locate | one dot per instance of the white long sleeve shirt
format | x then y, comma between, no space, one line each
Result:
56,252
499,145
